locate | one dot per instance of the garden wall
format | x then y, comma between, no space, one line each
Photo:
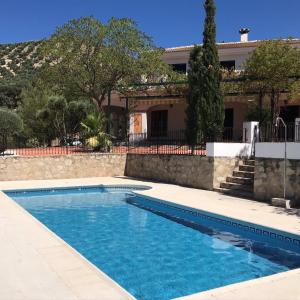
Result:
268,182
62,167
193,171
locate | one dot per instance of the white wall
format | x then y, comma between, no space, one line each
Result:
276,150
249,131
262,150
240,55
228,149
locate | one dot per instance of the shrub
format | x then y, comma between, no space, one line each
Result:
259,114
32,143
10,124
96,137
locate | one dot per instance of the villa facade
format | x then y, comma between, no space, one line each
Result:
159,115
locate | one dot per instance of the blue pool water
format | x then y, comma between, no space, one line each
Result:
151,256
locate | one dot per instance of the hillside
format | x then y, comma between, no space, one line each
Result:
19,60
18,64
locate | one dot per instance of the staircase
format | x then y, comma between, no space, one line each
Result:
241,182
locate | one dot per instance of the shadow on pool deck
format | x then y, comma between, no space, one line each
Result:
289,212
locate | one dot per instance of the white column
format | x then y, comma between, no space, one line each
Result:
248,131
297,130
144,122
131,123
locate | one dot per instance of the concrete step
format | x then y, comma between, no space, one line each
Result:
235,193
246,168
236,186
243,174
240,180
249,162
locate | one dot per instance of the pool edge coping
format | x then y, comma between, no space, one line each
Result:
235,287
217,215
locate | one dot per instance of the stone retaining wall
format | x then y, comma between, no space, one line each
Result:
268,182
193,171
62,167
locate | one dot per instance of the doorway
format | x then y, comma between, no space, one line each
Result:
137,123
159,123
228,124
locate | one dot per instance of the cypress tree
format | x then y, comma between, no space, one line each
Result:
205,111
211,103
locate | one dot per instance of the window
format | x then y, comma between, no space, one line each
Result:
180,68
159,123
228,64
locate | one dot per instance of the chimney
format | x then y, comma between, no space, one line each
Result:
244,34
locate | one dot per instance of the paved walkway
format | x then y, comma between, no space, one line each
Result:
36,264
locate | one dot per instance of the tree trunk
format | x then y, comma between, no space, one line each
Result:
273,106
98,101
273,127
277,107
260,105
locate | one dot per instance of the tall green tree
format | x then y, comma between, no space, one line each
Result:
272,69
89,59
211,102
205,112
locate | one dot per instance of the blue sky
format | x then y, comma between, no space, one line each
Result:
169,22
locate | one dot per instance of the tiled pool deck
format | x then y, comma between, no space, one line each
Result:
36,264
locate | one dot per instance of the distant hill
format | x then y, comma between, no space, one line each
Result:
19,61
18,64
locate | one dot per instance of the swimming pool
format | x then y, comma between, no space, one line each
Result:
157,250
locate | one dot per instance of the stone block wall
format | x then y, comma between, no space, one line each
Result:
224,167
62,167
268,181
193,171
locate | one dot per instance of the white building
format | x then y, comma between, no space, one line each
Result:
165,114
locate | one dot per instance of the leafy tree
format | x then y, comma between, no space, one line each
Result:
259,114
65,117
272,69
91,59
76,112
54,113
205,96
10,124
34,100
10,93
